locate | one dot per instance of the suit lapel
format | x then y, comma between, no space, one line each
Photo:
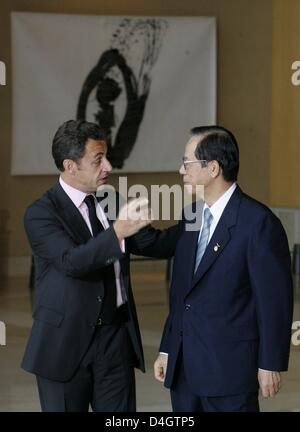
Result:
214,248
221,237
192,243
109,202
110,207
70,214
189,241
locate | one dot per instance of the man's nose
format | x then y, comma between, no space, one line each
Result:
107,166
181,169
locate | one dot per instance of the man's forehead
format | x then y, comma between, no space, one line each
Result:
96,146
192,144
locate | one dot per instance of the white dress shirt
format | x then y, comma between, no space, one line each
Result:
217,209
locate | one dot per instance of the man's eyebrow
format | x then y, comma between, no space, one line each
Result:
98,154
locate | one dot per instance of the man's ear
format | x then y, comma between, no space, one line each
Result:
215,169
69,166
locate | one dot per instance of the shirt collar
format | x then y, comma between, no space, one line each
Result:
218,207
75,195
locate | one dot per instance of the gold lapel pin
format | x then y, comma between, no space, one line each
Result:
216,247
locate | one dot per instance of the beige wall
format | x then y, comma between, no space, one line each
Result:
285,137
244,94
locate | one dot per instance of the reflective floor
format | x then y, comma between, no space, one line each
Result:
18,390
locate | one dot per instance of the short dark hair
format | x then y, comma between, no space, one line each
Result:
70,140
218,143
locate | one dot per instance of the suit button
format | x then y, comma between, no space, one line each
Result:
181,333
99,299
187,307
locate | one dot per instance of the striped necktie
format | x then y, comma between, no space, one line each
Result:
203,239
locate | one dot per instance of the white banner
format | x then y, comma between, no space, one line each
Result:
145,80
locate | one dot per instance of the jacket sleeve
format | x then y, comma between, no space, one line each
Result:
270,274
164,344
154,243
50,241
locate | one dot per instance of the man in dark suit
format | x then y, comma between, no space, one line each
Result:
85,340
231,299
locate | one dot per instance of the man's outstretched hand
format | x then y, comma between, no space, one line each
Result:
133,216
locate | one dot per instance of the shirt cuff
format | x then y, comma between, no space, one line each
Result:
122,245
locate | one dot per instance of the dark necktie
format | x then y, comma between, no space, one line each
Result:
107,273
95,223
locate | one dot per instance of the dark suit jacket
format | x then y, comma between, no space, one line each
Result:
234,315
69,264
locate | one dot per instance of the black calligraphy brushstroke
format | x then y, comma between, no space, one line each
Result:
108,89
